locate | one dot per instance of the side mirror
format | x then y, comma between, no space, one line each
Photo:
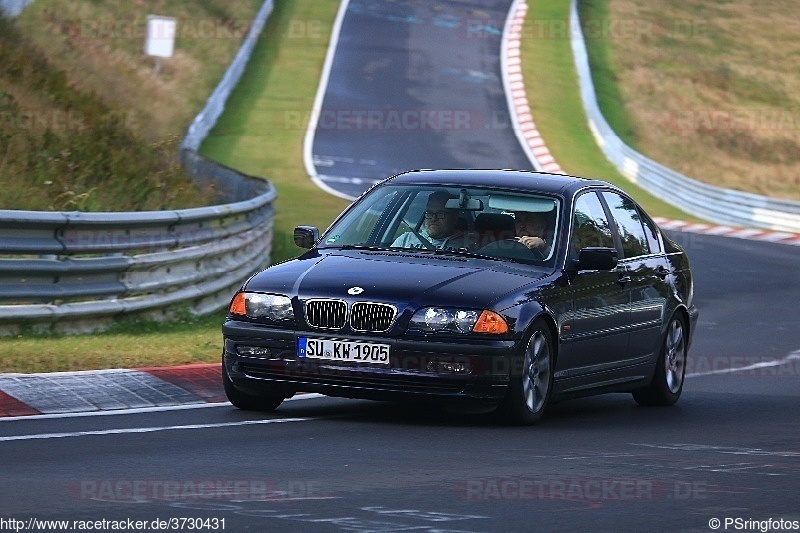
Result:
597,258
306,236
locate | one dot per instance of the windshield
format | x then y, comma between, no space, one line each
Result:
494,223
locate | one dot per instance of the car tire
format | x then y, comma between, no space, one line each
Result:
245,401
531,379
667,383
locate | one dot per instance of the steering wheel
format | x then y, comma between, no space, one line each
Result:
518,247
511,249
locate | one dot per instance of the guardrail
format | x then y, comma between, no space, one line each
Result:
712,203
207,118
76,271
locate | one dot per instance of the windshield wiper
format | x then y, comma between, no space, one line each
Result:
363,247
423,251
466,253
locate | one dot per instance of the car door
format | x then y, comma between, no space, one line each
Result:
595,335
647,269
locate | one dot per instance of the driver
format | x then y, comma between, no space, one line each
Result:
441,227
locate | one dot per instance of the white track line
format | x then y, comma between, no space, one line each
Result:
755,366
138,410
123,431
308,143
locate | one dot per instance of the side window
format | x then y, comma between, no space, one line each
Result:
589,224
651,231
629,224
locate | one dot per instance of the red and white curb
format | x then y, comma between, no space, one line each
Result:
536,148
108,390
528,133
725,231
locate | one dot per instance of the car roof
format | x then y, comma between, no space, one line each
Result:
507,179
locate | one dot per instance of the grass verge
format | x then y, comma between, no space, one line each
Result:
129,344
262,130
85,124
604,75
703,88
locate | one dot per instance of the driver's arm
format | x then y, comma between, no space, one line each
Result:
532,243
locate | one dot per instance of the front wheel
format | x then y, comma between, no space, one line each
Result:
531,379
248,402
667,384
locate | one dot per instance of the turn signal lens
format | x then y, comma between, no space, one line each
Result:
490,322
238,305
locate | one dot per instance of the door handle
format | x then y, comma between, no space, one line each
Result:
662,272
624,279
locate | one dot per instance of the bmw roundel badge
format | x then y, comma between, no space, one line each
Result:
353,291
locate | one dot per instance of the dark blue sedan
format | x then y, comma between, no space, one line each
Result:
485,289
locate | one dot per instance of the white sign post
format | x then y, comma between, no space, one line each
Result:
160,41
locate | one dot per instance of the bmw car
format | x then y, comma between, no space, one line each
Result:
383,306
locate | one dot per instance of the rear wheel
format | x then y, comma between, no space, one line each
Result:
531,379
667,384
246,401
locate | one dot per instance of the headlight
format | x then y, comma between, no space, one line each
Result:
273,307
432,319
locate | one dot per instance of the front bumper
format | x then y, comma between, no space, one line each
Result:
423,368
694,315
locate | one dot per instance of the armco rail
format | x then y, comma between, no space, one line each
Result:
203,122
712,203
75,271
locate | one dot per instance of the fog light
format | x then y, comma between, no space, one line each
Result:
253,351
454,368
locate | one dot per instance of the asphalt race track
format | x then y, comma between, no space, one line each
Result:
729,450
414,85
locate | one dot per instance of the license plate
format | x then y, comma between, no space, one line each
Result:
335,350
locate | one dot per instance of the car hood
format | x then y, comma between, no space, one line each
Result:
396,277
